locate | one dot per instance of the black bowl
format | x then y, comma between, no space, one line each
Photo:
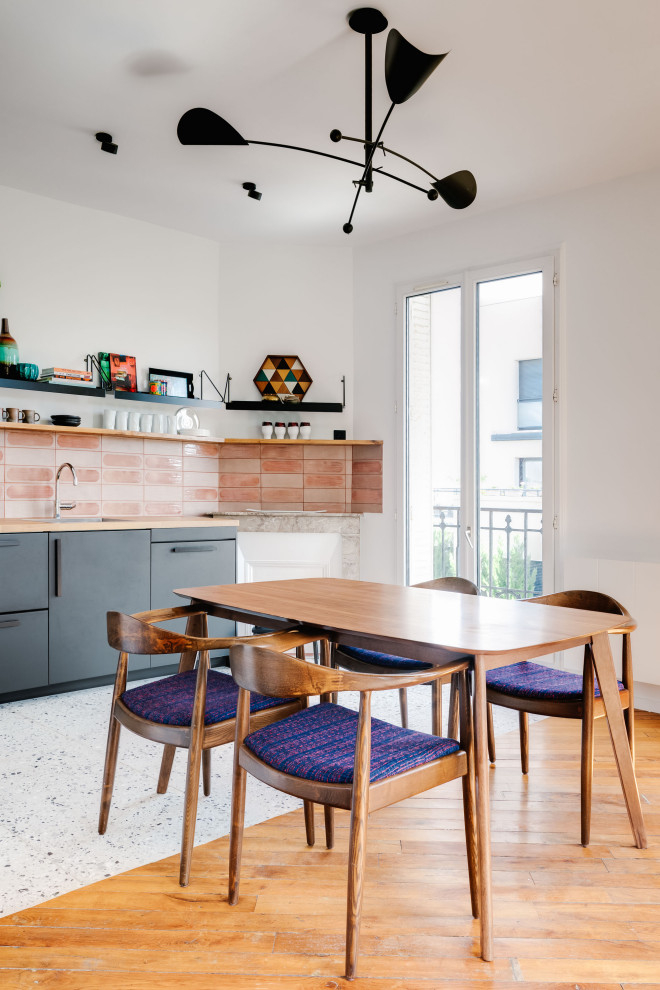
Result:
62,420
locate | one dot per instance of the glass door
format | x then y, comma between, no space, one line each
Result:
479,438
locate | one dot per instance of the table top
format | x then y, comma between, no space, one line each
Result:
422,616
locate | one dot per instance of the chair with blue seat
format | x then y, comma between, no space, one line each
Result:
374,662
531,687
331,755
192,709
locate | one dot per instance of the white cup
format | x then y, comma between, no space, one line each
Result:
305,432
267,430
160,423
121,420
134,422
109,419
293,429
171,424
146,423
280,431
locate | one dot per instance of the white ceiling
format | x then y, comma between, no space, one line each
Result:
534,98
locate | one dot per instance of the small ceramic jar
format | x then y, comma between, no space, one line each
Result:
305,431
293,429
266,430
280,431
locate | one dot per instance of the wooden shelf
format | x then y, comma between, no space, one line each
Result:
84,390
99,430
287,407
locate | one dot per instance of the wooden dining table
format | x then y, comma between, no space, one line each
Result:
434,626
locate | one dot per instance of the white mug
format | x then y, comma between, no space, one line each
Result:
160,423
305,432
121,420
293,430
147,422
109,419
134,422
171,425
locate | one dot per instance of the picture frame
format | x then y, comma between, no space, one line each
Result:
179,383
123,372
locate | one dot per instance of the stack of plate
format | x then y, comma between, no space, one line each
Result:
195,433
62,420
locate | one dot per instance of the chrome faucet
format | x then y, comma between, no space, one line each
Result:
63,505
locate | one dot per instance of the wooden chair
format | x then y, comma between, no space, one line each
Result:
372,662
332,756
192,710
531,687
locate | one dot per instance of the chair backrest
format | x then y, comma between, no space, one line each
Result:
138,634
592,601
458,584
278,675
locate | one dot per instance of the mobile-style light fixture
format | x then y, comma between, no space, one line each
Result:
406,70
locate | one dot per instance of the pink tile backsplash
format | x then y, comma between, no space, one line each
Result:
126,476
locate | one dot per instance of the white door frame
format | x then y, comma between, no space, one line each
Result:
467,281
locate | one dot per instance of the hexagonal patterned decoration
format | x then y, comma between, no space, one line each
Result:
282,376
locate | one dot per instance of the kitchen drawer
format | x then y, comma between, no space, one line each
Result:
193,534
23,571
23,650
186,564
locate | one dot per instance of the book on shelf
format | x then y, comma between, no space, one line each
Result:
59,380
66,373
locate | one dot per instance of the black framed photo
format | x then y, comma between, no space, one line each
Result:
179,383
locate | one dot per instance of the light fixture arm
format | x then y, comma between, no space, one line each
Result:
348,227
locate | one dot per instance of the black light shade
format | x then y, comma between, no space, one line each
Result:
406,67
201,126
458,189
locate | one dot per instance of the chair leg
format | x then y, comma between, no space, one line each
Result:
329,818
524,741
308,807
436,708
315,648
109,772
165,768
469,792
236,834
194,763
358,838
629,719
206,771
491,733
403,705
452,729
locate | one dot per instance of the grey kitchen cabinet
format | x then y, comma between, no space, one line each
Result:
91,573
23,571
23,650
190,562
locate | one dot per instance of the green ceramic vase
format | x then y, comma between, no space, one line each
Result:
8,352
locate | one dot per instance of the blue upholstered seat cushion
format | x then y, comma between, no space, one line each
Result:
384,659
318,743
533,680
169,700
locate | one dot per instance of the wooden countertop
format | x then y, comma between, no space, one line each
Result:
101,431
92,525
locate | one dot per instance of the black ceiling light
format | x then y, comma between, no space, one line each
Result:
251,190
406,70
106,142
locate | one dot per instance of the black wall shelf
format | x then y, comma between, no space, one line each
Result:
171,400
288,407
47,387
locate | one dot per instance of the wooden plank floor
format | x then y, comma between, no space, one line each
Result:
565,917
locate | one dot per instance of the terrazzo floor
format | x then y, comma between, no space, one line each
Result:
50,784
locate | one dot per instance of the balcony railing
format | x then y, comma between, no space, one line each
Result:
510,564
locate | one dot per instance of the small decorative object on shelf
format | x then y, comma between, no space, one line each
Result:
305,431
61,419
123,373
293,429
283,377
266,430
280,431
28,372
178,383
158,386
8,352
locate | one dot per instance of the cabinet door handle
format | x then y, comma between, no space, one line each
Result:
8,623
58,568
10,543
200,548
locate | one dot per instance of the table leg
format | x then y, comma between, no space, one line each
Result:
479,713
609,690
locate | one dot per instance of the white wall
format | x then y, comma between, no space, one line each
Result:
609,359
76,280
